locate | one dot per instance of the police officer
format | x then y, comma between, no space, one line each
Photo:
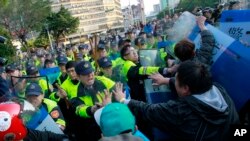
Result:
112,73
100,52
69,53
151,43
35,96
84,51
89,97
69,87
90,85
39,62
140,43
109,71
144,58
11,76
114,53
135,74
62,61
4,89
46,87
66,91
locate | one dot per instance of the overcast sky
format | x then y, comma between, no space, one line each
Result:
148,4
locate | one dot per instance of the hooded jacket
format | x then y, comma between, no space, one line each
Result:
206,116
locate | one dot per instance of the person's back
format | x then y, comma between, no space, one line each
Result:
204,120
203,111
207,112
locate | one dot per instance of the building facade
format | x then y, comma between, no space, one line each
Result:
128,17
168,4
157,8
95,15
163,4
133,15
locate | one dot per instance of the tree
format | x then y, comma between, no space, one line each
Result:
7,50
189,5
21,17
3,3
61,24
163,13
42,41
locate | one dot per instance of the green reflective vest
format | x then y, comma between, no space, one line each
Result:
54,111
100,84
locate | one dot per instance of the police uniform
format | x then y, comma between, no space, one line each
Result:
113,55
46,87
61,78
135,74
70,87
116,76
11,68
86,97
71,57
51,106
149,45
85,57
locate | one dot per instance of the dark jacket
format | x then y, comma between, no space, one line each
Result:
206,116
205,53
35,135
135,83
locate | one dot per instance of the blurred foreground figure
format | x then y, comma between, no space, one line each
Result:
203,111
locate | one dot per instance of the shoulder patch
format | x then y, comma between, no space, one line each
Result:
54,114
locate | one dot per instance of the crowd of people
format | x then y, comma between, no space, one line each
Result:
100,95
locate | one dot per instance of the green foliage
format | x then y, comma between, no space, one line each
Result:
41,41
3,3
62,23
21,17
161,14
7,50
189,5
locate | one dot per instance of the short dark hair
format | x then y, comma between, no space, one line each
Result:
195,75
124,51
139,41
71,64
184,50
141,33
232,3
127,40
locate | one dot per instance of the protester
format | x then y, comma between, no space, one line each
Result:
119,116
203,111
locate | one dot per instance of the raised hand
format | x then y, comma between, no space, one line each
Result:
201,22
95,107
158,79
118,93
60,93
107,97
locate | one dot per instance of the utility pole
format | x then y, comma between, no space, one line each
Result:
47,29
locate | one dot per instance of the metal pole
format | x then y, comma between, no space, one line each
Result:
51,46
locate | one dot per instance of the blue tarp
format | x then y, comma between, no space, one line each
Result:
51,73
